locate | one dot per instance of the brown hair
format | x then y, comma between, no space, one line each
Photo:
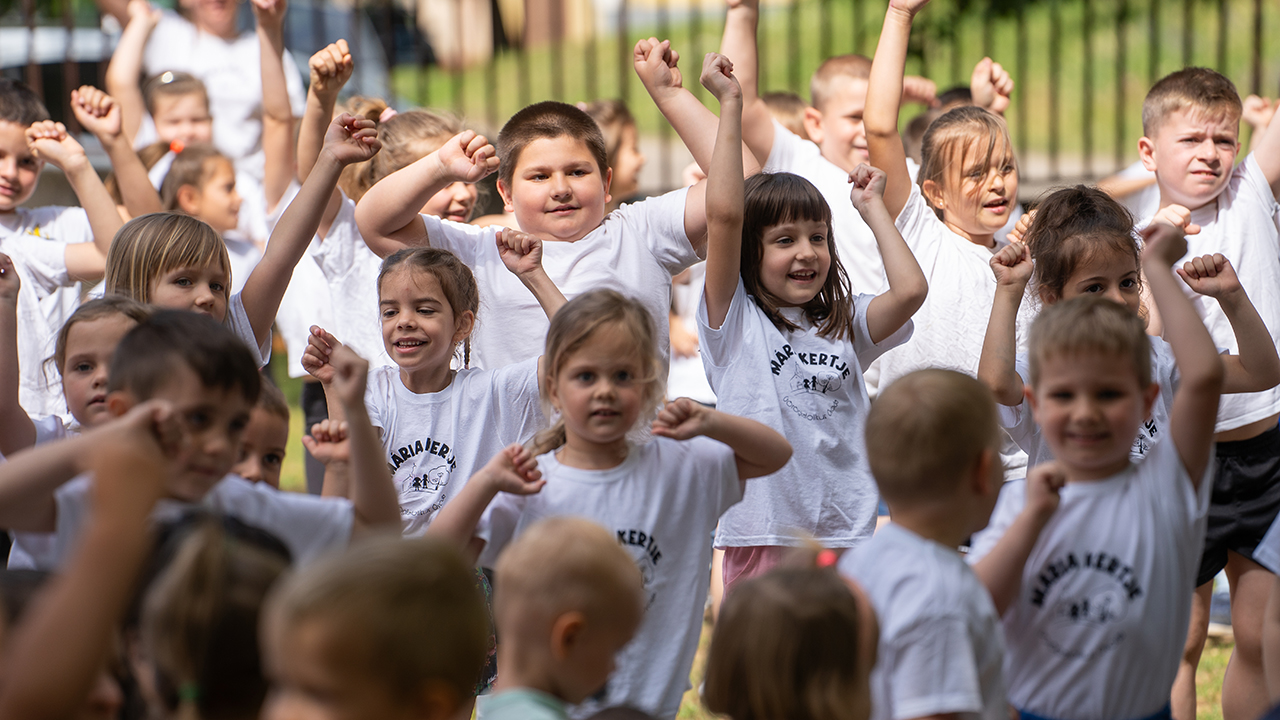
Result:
788,109
146,356
774,198
948,140
572,328
1071,227
406,137
926,430
1089,324
404,612
193,166
783,647
96,310
1207,91
149,155
857,67
149,246
456,282
172,83
19,104
550,120
613,117
272,400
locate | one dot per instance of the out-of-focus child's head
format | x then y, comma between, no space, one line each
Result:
385,627
1082,242
20,107
173,261
83,350
201,183
566,598
178,103
1191,128
622,145
266,438
788,109
838,97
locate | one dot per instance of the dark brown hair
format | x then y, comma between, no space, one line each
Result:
19,104
1071,227
96,310
1206,90
550,120
773,198
456,282
273,401
146,356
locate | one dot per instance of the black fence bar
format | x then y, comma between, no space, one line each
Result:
1020,69
1188,33
1255,63
1153,42
1086,100
557,50
1122,77
1055,65
1224,20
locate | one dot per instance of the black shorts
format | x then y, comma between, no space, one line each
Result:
1245,501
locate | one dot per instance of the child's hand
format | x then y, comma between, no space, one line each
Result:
9,281
1177,216
96,112
150,442
1044,488
911,6
350,373
916,89
1210,275
1163,243
682,419
51,143
991,86
331,68
1012,265
1020,228
513,470
141,11
868,188
520,252
466,157
351,139
656,65
717,76
1258,111
317,358
270,13
328,442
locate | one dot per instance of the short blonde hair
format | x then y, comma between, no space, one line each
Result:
857,67
788,109
926,430
1207,91
152,245
1090,324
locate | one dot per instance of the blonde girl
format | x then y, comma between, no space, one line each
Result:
601,373
785,340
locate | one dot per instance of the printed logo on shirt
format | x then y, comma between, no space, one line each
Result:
1086,614
1146,438
421,472
647,545
816,378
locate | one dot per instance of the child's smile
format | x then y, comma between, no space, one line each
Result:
795,260
557,190
419,328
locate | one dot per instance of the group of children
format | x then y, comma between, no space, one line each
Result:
511,516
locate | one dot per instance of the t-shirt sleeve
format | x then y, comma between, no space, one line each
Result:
1017,419
377,398
866,350
465,241
72,502
719,346
238,321
1165,481
930,669
40,263
66,225
782,156
721,468
309,525
497,526
1254,188
659,223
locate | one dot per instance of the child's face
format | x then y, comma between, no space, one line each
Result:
262,452
90,345
19,168
202,290
1089,406
184,118
419,329
1112,274
795,259
216,202
974,202
1192,153
214,16
455,202
600,388
627,164
557,190
837,126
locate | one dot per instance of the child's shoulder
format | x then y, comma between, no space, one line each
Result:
911,578
49,222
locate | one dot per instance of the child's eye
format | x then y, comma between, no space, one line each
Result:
238,425
197,420
579,173
817,239
217,287
585,376
273,459
784,240
1095,288
427,310
182,282
389,312
623,376
1129,283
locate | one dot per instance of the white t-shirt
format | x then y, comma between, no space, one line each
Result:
36,238
687,378
237,321
29,550
941,646
635,251
307,524
810,389
855,243
350,270
1024,430
1145,202
244,257
662,503
436,441
1097,629
306,301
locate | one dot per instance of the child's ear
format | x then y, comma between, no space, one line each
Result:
566,633
608,182
1147,152
463,326
120,402
505,193
188,198
813,124
933,194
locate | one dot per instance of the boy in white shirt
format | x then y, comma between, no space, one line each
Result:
934,447
200,383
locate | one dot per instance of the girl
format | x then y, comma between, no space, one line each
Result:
602,373
785,341
176,261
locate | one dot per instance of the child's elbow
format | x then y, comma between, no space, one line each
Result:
1209,379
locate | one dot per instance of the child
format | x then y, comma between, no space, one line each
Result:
554,176
566,598
1082,242
387,629
784,341
788,109
601,372
792,643
211,380
934,447
266,438
621,146
1191,128
1096,591
437,425
129,182
53,247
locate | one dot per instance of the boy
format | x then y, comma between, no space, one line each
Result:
1190,121
566,599
208,376
50,271
265,439
1096,591
934,447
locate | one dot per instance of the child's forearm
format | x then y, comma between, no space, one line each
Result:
724,203
545,291
884,98
388,213
759,449
695,125
1001,570
104,218
137,192
457,521
277,116
1256,367
907,284
998,362
122,76
16,429
315,122
29,479
373,496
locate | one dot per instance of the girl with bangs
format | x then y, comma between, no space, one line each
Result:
785,342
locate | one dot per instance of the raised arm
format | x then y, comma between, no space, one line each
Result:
331,67
522,254
349,140
757,448
1001,569
388,214
277,114
891,309
16,429
1195,404
125,69
373,496
724,196
741,25
990,86
1256,367
99,113
996,367
1265,146
884,97
514,470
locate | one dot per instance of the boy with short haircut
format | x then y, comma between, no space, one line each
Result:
209,378
1190,121
50,271
566,599
933,443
